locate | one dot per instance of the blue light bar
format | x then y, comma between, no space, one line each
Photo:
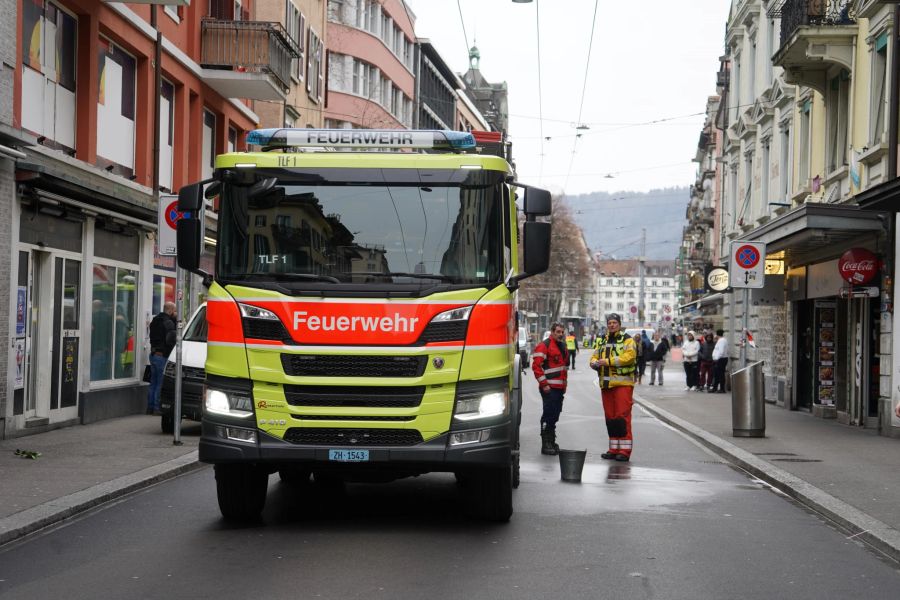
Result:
362,138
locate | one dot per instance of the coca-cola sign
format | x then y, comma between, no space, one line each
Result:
858,266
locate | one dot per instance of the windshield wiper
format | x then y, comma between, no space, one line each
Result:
290,277
437,276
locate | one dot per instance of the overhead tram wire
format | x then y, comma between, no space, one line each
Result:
587,65
463,23
537,21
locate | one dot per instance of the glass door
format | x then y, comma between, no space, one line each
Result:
66,341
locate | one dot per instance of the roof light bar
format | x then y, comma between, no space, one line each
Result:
362,138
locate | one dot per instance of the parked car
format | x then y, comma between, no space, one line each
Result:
523,347
193,369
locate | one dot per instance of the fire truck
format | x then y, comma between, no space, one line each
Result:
361,317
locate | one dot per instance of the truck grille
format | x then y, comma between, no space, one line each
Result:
397,419
444,332
336,365
349,395
316,436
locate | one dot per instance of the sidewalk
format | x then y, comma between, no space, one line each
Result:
845,473
83,466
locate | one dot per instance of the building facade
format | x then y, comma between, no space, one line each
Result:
371,65
803,117
84,277
618,289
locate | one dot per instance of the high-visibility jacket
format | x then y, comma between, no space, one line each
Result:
621,353
570,343
550,364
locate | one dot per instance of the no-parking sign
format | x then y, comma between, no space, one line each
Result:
747,265
167,226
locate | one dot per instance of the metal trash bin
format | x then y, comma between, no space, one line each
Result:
748,405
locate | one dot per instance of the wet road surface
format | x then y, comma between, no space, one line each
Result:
676,522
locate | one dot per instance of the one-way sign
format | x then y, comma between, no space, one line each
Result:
747,267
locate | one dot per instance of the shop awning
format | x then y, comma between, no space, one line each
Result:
816,231
882,197
710,299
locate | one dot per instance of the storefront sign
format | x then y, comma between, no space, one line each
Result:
717,279
858,266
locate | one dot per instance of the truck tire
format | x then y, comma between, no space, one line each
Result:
167,423
488,494
241,490
294,476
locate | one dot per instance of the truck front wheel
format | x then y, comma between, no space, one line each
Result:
241,490
488,493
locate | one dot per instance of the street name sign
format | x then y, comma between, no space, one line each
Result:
747,265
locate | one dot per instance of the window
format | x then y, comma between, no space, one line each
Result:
296,29
49,51
208,148
163,291
804,144
607,294
784,181
837,103
315,69
113,310
764,179
166,134
291,116
879,76
363,73
751,71
116,106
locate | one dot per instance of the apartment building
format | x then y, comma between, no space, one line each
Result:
95,146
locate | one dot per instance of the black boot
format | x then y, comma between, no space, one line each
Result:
547,446
553,441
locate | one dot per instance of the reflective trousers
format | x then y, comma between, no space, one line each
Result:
617,403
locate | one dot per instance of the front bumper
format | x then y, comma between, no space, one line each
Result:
430,456
191,397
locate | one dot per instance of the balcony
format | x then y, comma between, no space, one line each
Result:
706,216
816,35
247,59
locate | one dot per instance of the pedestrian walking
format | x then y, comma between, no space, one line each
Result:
162,341
705,379
657,357
572,347
691,351
549,363
615,359
640,347
720,358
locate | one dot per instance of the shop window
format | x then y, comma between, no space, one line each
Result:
163,291
113,310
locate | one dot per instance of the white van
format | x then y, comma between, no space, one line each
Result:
193,369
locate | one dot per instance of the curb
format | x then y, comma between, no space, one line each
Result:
49,513
873,532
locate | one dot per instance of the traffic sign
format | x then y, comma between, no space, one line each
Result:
167,226
633,309
747,265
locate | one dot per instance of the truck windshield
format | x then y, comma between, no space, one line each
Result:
307,231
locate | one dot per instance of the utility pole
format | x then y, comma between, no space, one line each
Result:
641,260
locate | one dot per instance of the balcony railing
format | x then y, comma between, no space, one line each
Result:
814,13
248,46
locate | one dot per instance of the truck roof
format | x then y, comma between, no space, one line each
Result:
363,160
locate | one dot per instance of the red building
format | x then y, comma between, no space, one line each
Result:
85,279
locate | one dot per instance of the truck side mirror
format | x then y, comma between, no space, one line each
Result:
189,229
537,202
535,246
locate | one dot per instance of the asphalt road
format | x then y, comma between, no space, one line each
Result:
676,522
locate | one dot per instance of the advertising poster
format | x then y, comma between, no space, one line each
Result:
21,297
19,351
825,354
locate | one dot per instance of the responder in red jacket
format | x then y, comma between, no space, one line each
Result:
550,363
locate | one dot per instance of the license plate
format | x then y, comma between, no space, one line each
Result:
348,455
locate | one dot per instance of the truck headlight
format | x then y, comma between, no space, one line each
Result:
485,406
231,404
454,314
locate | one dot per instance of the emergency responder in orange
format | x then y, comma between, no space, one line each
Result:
614,359
550,363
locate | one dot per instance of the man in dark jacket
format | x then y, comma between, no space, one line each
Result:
162,341
659,346
550,363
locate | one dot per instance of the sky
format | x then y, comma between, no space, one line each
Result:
649,60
